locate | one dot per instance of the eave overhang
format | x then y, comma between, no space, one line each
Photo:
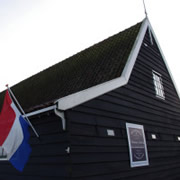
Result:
83,96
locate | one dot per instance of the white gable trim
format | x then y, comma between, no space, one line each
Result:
134,52
162,54
83,96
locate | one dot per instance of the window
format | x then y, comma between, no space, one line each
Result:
2,154
153,136
110,132
158,85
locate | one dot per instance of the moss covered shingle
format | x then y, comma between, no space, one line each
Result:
97,64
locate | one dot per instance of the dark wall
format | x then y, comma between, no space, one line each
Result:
93,154
96,156
48,160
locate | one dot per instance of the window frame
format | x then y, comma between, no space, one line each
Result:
158,85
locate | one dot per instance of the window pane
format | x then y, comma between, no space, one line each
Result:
158,85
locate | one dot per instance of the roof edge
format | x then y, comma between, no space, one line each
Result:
163,57
135,50
83,96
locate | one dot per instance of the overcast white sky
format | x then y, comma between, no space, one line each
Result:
35,34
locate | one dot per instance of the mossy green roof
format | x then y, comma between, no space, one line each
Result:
95,65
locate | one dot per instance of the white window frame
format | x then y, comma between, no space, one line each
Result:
158,85
137,163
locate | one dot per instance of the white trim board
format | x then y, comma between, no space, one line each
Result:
162,54
40,111
83,96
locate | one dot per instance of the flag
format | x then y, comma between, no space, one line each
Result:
14,134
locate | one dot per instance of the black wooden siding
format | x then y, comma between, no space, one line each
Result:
96,156
48,160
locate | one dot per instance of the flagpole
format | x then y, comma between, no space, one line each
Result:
27,119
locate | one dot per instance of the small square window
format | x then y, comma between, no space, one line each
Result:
158,85
110,132
153,136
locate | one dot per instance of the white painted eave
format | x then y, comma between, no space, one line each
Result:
83,96
162,54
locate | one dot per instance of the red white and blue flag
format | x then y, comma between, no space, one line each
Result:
14,134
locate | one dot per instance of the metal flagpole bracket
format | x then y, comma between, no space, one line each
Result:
22,111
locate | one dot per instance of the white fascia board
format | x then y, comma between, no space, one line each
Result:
83,96
162,54
40,111
135,51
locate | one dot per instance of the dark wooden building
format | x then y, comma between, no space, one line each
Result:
81,106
